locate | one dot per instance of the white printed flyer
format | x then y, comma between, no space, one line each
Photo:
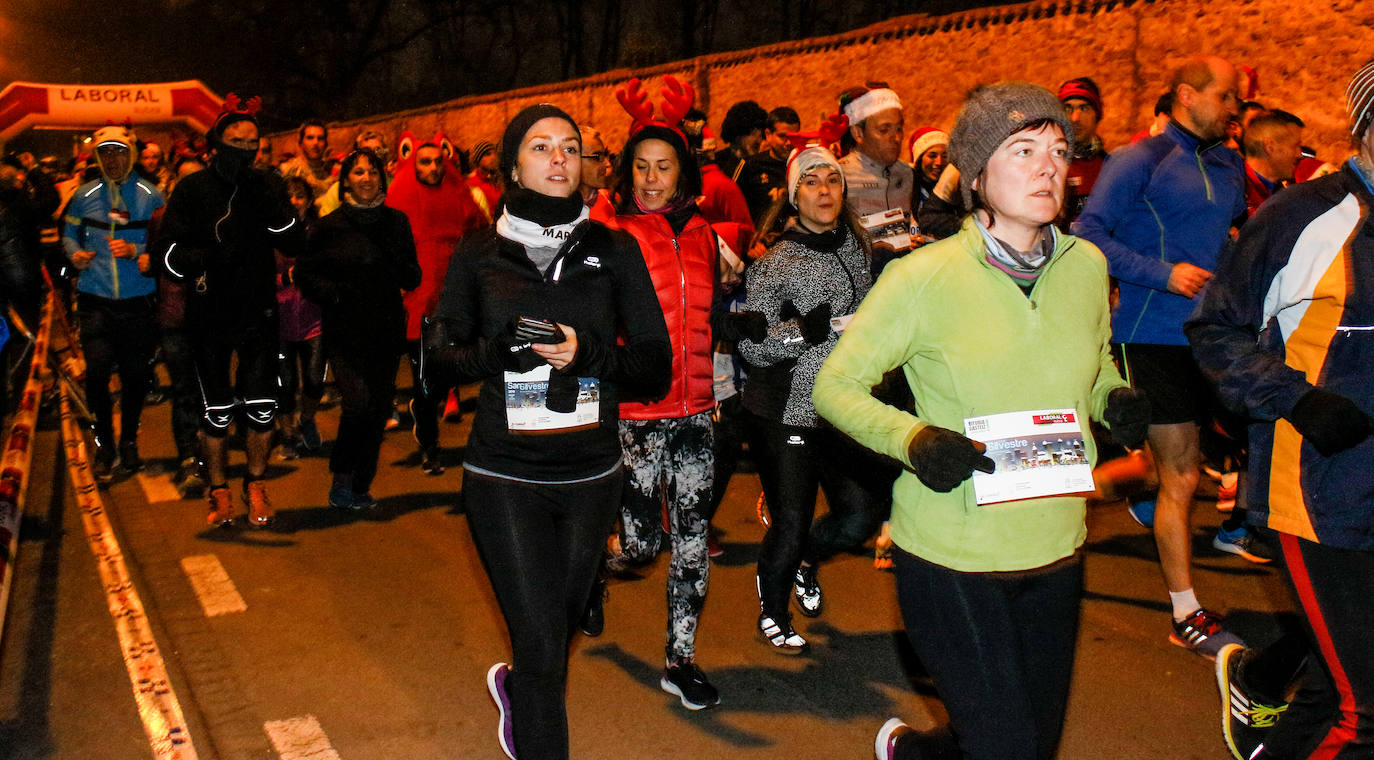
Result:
1037,453
526,412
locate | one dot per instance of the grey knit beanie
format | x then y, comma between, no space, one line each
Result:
991,114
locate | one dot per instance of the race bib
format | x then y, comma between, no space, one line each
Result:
525,403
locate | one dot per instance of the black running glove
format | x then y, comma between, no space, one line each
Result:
1332,422
511,353
815,324
943,459
1128,416
562,393
734,326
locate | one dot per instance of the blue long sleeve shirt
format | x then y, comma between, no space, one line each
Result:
1165,200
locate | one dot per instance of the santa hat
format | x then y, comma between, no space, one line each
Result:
811,150
924,139
859,103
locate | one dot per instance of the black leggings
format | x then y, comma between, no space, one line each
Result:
117,334
302,368
540,545
367,385
792,462
424,406
1332,715
999,648
251,391
187,406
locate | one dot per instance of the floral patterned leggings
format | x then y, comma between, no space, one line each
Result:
671,459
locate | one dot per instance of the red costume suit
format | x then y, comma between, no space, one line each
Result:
439,215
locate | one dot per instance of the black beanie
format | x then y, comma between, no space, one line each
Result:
518,126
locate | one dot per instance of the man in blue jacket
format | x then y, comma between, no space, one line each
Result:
105,234
1161,211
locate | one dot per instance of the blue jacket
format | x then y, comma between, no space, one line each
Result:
95,214
1292,308
1165,200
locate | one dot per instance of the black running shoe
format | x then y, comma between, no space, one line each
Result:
1245,719
1202,632
687,681
310,435
189,478
431,461
593,621
129,458
106,460
806,589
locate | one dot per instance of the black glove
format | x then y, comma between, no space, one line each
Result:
1128,416
815,324
562,393
511,353
943,459
1332,422
734,326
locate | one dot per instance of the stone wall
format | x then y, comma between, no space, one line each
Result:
1305,52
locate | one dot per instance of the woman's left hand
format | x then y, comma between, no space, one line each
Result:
559,355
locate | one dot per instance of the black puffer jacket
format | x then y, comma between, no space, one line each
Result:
599,285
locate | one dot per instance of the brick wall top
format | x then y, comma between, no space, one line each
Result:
1305,54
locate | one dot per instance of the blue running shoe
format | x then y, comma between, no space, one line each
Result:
1143,512
1242,543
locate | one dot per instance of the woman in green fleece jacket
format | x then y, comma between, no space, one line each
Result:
1008,317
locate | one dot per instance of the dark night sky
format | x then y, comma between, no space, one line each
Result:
303,57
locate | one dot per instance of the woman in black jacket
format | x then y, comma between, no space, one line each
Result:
357,261
542,472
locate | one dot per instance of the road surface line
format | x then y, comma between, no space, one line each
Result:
157,704
300,739
158,488
211,583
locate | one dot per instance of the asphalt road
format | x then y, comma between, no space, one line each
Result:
369,636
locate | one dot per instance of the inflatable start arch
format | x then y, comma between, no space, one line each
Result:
78,106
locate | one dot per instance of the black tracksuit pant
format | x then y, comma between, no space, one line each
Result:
792,462
367,385
117,333
999,647
541,544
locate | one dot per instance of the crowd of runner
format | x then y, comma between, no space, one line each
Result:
958,332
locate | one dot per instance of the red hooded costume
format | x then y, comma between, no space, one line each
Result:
439,215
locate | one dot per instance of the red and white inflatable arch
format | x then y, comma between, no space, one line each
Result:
78,106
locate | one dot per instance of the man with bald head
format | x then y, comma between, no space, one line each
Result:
1161,211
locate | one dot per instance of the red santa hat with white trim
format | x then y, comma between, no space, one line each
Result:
859,103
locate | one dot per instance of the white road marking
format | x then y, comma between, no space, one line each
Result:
300,739
213,588
158,488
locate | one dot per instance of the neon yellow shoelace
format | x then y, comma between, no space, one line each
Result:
1263,716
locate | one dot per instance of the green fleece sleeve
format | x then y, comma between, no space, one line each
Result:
1108,376
883,335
